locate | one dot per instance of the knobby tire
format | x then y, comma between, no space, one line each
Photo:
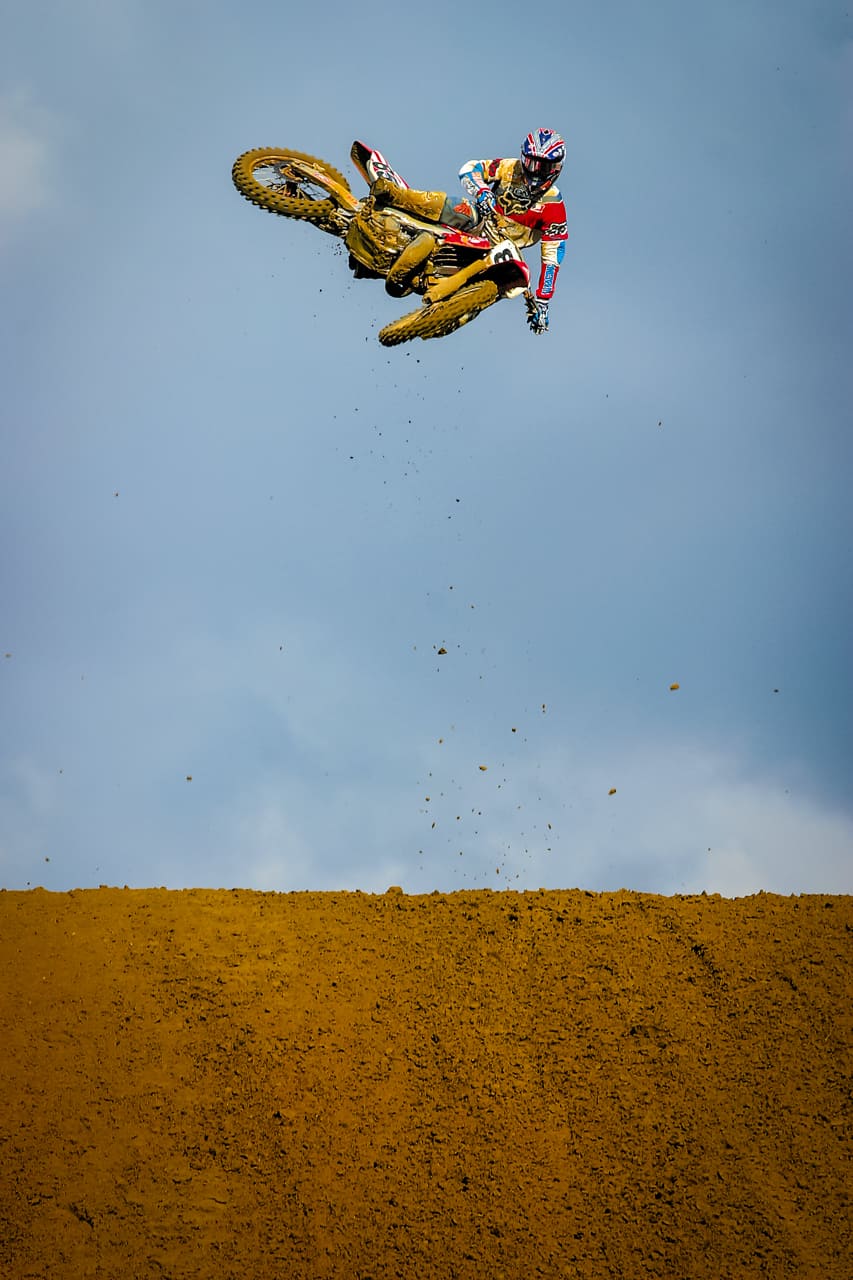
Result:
320,212
442,317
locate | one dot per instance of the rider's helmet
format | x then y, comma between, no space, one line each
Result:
542,154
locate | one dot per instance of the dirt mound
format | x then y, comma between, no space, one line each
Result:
485,1085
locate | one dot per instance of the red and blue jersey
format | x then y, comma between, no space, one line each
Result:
538,217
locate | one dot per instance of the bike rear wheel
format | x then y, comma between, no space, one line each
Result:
442,317
293,184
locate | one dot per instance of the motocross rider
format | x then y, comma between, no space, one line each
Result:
521,191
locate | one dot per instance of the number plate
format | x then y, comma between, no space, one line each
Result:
505,251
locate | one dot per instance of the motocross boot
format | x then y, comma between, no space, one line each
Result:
423,204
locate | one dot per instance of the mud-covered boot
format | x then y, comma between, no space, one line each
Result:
423,204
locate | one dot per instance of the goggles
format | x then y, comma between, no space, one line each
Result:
540,167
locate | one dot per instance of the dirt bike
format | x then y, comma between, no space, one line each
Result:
457,273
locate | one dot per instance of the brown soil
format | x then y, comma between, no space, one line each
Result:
485,1085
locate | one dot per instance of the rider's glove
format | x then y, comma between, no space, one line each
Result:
537,315
485,202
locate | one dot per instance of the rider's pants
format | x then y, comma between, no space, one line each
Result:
458,213
432,206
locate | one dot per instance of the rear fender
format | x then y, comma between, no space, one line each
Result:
372,164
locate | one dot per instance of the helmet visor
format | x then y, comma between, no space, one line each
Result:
539,169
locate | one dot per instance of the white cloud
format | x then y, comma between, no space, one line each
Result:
682,819
331,778
275,852
685,818
29,799
26,153
766,838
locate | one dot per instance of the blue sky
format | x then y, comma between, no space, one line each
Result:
236,531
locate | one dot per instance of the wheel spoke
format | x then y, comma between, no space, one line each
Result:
283,177
295,185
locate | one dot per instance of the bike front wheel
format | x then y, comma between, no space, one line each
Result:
442,317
